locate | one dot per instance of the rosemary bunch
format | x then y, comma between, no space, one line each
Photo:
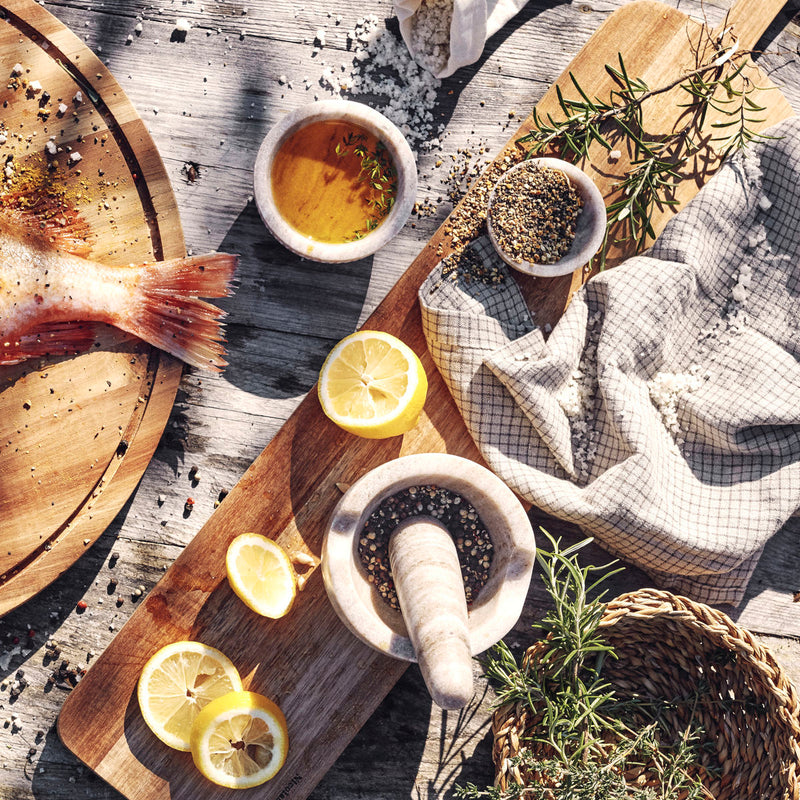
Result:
565,684
586,740
718,83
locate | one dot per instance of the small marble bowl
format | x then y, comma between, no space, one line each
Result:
375,123
590,228
499,603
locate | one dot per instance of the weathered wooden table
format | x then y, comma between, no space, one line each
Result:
208,101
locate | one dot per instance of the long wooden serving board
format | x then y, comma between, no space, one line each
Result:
326,681
76,433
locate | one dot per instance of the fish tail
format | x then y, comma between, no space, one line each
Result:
170,314
55,339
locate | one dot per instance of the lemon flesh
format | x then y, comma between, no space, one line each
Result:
240,740
261,574
373,385
177,682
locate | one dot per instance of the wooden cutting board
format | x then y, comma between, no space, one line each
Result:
326,681
76,433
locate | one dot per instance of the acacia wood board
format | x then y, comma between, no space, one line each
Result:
326,681
77,432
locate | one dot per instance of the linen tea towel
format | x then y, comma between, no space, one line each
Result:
662,415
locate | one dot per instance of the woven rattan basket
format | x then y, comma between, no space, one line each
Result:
669,647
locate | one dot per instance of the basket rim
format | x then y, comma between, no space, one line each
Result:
511,721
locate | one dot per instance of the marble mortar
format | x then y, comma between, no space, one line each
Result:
432,606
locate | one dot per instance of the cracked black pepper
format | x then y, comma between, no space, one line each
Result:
458,515
534,213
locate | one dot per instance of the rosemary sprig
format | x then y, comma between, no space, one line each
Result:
378,171
566,682
592,738
718,82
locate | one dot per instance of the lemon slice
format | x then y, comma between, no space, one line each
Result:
373,385
240,740
261,574
178,681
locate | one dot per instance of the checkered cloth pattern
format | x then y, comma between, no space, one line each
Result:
662,414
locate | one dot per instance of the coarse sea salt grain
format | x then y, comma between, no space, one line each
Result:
577,399
666,390
183,25
384,71
430,34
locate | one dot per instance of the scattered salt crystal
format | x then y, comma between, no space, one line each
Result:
282,80
138,28
666,390
9,170
51,148
430,34
183,25
75,157
35,87
319,37
3,138
739,293
383,68
764,203
78,98
17,69
62,109
577,399
615,155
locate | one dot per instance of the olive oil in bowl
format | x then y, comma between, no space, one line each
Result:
333,181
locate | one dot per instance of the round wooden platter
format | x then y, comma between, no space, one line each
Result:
77,432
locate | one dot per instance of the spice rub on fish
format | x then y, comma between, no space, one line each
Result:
51,294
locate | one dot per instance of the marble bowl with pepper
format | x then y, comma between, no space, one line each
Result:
425,625
546,217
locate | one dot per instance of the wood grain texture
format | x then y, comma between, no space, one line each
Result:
210,100
78,432
326,681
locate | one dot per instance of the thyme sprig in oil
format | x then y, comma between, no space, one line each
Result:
378,171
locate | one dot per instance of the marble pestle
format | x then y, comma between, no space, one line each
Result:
430,590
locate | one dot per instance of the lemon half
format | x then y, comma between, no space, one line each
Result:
373,385
177,682
240,740
261,574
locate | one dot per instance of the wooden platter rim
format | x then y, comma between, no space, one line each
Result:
147,420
